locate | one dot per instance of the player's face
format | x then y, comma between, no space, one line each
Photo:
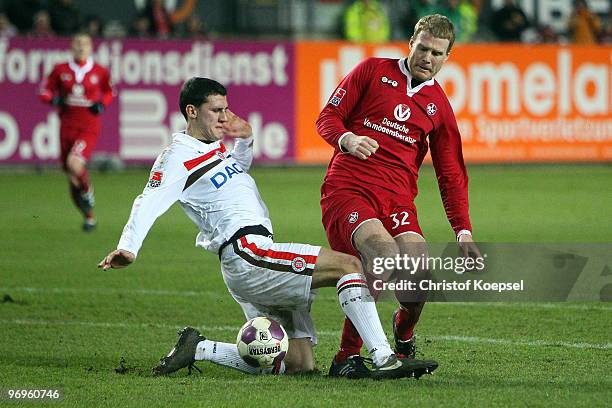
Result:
427,55
81,47
211,116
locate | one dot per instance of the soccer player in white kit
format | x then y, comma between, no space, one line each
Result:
265,278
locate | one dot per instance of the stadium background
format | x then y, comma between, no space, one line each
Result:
529,113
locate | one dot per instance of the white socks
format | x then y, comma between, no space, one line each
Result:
226,354
359,306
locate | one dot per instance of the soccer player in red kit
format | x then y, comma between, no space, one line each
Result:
81,89
379,120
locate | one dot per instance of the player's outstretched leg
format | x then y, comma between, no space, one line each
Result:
192,346
407,315
81,190
359,306
372,241
405,344
182,354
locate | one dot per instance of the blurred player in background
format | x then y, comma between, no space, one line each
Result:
81,89
378,121
265,278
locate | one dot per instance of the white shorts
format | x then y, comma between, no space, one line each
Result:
272,279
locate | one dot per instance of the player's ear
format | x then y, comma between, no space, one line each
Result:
192,112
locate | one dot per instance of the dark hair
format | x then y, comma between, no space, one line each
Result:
196,90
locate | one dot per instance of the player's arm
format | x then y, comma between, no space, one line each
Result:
164,188
447,157
107,94
331,122
49,89
241,131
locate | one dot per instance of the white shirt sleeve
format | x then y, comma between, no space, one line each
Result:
157,197
243,152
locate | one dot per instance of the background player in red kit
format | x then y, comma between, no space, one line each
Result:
379,119
81,89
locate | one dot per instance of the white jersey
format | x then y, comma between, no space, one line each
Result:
211,185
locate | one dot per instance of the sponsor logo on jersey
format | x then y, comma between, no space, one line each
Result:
337,98
353,217
220,154
78,90
389,81
93,79
395,132
155,179
401,112
220,178
394,125
65,76
299,264
431,109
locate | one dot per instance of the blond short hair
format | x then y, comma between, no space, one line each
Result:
437,25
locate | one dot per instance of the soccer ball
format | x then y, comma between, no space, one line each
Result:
262,342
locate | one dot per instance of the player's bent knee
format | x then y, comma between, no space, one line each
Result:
379,246
293,362
74,164
299,357
349,264
331,266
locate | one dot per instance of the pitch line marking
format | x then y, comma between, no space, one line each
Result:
108,291
592,306
324,333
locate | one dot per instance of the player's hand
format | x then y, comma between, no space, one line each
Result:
97,108
361,147
236,126
119,258
468,248
57,101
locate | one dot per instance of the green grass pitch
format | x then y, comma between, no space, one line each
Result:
69,324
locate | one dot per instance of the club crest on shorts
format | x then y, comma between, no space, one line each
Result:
155,179
299,264
79,147
337,98
353,217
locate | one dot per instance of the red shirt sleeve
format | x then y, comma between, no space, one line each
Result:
332,119
108,90
50,86
447,156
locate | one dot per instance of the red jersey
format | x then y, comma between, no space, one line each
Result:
79,86
376,99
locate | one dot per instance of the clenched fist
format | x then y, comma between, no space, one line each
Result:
361,147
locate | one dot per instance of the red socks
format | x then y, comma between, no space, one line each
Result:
350,343
83,179
406,318
76,193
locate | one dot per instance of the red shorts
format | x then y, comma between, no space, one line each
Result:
79,142
345,209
